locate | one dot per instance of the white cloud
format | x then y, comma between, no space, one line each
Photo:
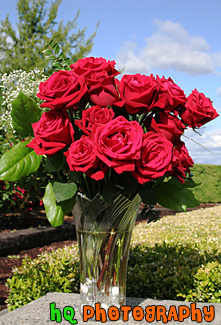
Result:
207,150
170,46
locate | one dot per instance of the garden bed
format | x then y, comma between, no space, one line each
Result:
11,261
17,220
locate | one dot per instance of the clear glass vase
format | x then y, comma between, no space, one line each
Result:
104,233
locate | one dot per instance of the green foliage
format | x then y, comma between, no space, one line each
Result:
175,195
22,47
54,53
56,162
161,265
57,204
169,272
54,272
64,191
24,112
53,211
209,177
18,162
206,284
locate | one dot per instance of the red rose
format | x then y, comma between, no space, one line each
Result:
137,92
118,143
88,66
170,95
64,89
52,133
168,125
94,115
99,74
103,92
198,110
181,161
156,158
81,157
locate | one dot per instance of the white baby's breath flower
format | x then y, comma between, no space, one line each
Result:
11,85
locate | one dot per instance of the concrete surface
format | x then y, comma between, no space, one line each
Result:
38,311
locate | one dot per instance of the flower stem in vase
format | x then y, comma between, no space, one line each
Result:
106,259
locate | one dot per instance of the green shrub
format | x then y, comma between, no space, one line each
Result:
168,272
57,271
206,285
175,258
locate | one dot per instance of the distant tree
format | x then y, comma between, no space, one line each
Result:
22,48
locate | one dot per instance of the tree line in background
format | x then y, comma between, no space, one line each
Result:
21,47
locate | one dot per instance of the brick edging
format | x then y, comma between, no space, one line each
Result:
14,242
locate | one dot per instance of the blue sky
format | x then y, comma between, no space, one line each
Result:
178,39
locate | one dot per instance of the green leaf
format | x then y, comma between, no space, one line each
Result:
64,191
47,52
50,57
18,162
55,163
61,56
52,43
147,194
56,49
67,205
24,113
175,197
189,183
53,211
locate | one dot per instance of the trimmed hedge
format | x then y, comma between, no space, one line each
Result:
175,258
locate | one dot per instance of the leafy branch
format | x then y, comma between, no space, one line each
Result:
54,53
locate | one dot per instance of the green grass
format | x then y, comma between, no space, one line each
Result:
177,258
210,178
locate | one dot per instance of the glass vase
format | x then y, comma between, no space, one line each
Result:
104,234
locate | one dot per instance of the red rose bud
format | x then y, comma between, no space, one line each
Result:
198,110
156,158
137,92
63,90
88,66
94,116
81,157
118,143
52,133
170,95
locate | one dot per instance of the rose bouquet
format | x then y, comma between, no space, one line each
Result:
108,144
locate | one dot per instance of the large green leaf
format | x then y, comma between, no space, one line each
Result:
64,191
175,197
24,112
189,183
55,211
18,162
